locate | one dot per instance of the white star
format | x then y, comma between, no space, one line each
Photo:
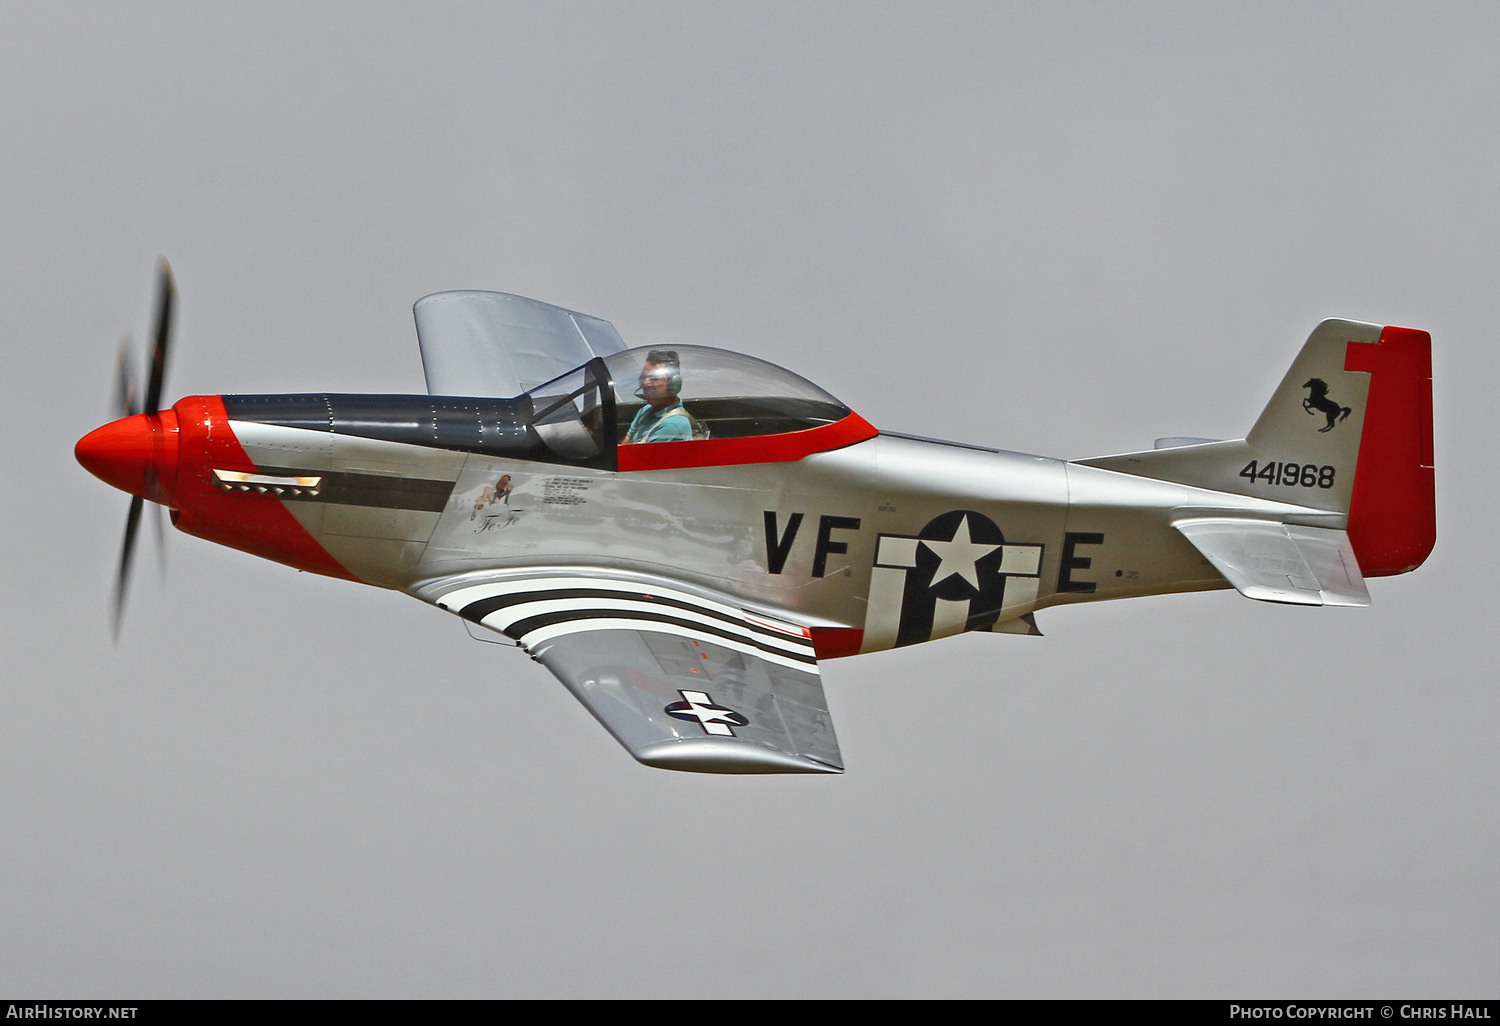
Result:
958,557
715,719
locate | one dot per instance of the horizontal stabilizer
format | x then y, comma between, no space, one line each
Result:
1310,566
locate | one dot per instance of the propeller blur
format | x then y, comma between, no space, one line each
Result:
132,452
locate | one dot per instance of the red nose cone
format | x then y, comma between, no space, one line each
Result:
135,454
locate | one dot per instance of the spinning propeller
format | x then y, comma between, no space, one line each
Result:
137,451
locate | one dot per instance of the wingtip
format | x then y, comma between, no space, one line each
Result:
704,755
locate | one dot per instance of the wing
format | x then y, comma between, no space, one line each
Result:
495,344
682,680
1313,566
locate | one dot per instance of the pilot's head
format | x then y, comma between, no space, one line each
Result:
661,378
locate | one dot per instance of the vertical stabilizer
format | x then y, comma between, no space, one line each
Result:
1315,419
1348,430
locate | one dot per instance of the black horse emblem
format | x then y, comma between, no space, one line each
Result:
1317,401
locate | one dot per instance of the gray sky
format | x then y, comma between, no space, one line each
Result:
1057,228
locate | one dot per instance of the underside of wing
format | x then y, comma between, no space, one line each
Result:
1312,566
683,680
495,344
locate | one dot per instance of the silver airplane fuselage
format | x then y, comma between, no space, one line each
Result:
784,527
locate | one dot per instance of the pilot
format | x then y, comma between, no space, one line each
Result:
662,419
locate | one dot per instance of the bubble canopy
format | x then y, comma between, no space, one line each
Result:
724,404
729,394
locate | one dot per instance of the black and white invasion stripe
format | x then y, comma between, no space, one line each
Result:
536,609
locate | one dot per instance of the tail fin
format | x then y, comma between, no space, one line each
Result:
1348,430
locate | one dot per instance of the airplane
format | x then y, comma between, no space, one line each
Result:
682,535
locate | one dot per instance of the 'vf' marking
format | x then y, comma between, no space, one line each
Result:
779,542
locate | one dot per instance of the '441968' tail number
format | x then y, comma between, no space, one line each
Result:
1301,475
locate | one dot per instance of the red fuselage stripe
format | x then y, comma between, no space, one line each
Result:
723,452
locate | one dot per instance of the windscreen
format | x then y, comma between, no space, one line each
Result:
569,413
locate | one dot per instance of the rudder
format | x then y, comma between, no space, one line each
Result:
1393,512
